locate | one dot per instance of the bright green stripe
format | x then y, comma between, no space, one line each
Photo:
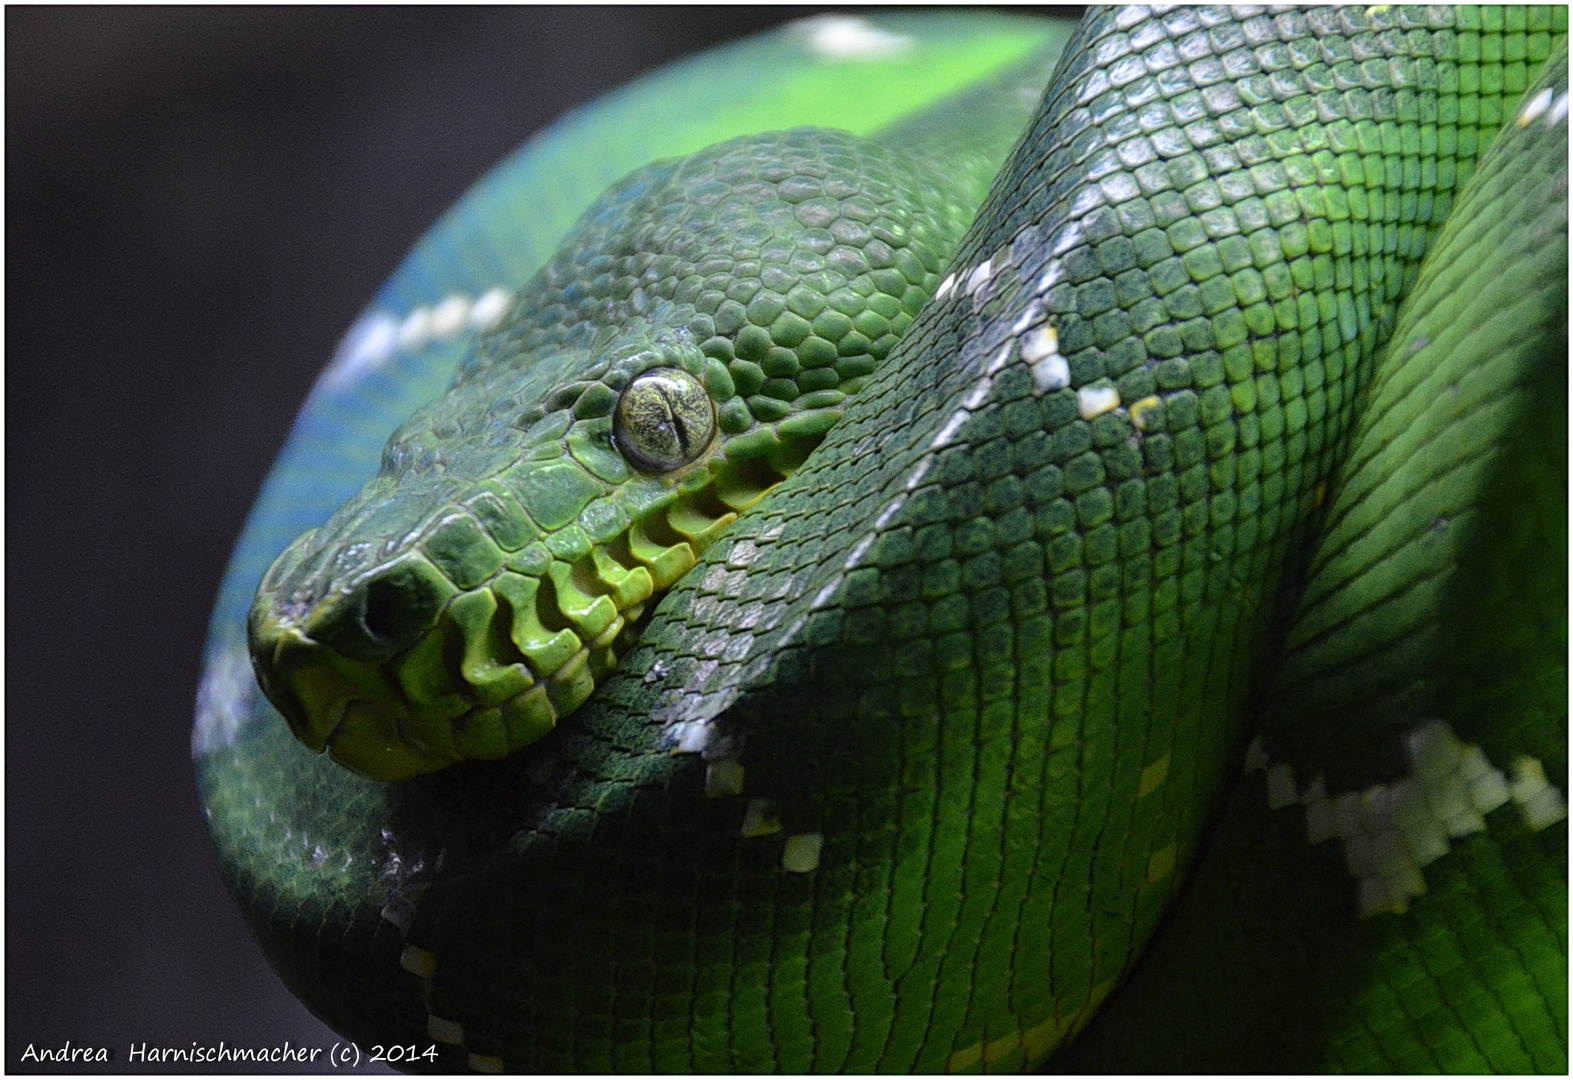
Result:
862,96
504,228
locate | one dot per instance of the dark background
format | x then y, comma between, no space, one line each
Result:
198,202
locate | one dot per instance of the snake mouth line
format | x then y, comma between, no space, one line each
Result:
503,661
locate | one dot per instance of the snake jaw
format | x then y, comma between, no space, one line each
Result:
422,661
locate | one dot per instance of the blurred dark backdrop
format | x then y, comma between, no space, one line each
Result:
198,202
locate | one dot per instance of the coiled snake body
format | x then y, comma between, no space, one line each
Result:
808,633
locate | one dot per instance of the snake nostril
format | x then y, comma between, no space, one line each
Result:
383,612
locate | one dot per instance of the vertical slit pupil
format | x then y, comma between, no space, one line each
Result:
678,426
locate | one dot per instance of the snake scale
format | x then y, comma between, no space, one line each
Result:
836,614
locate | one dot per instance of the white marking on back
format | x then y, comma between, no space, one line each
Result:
1051,276
1094,401
1000,359
801,853
859,550
1050,373
1539,803
760,819
400,911
1558,111
449,317
846,37
692,736
1068,238
984,271
415,331
1534,106
223,701
378,336
1042,341
953,425
1033,315
367,346
490,308
1390,831
979,394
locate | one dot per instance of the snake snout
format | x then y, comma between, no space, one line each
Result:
321,651
383,612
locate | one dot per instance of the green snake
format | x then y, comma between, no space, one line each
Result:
840,613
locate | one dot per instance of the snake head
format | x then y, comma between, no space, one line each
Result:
473,594
688,347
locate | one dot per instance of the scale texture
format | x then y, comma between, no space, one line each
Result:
1233,434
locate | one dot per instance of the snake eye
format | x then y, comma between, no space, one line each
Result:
664,419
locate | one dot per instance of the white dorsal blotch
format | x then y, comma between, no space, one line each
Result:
801,853
1390,831
846,37
859,550
1539,802
1068,238
887,515
981,273
399,910
978,395
377,337
1039,342
1051,277
1534,106
1319,821
1040,348
760,819
1346,815
723,778
1029,317
418,961
692,737
944,288
1050,373
449,317
1558,111
952,426
367,346
1094,401
415,331
486,312
223,701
